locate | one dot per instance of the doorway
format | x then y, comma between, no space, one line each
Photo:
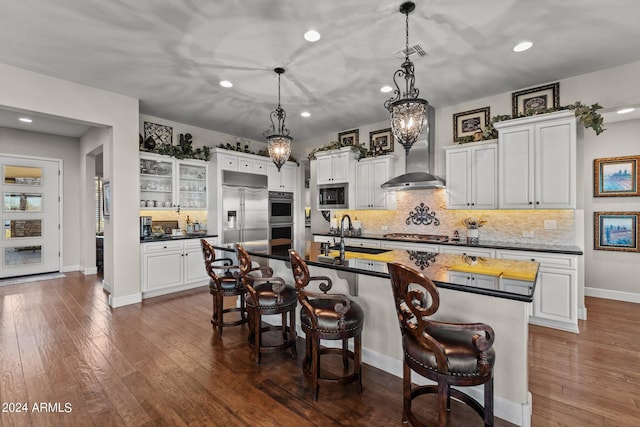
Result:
30,191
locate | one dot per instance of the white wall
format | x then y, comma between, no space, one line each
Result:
605,270
36,144
28,91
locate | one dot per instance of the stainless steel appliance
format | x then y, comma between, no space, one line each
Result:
145,227
431,238
280,207
333,196
245,207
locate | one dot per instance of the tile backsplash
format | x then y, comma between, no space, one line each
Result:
172,215
501,225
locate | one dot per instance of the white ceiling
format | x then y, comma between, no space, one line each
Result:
171,55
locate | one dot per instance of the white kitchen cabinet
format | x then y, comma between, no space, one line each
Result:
555,301
362,243
483,281
284,180
472,176
166,183
172,266
365,264
335,166
240,162
371,173
537,162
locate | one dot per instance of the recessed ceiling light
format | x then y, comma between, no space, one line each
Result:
386,89
522,46
305,114
312,36
25,119
226,83
625,110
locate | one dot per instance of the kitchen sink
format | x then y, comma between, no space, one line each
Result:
370,251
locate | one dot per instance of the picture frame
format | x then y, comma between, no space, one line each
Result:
106,199
616,231
469,122
537,99
157,133
616,176
350,137
381,141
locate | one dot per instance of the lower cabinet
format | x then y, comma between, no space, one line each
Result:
555,300
172,266
365,264
465,250
471,279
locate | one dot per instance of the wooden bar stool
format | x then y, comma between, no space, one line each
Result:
266,295
223,284
452,354
327,317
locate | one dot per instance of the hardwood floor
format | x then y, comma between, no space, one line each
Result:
159,363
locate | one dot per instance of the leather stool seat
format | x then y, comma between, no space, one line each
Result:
328,318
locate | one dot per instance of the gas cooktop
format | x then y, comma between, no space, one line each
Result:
433,238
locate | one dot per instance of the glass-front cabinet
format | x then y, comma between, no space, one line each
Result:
168,183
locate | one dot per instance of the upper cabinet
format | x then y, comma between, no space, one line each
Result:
537,166
166,182
283,180
371,173
333,167
472,176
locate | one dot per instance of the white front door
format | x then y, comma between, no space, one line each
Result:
30,191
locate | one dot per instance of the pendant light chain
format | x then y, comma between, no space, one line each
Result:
278,139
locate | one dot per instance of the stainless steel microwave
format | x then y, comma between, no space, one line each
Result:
333,196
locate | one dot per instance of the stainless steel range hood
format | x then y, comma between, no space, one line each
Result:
419,162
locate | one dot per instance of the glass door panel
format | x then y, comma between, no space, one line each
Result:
31,202
22,255
156,183
22,175
192,186
15,229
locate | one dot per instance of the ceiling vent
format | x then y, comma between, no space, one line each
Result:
416,51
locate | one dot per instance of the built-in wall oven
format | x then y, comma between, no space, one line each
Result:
280,222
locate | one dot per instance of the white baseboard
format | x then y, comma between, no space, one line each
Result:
89,271
158,292
615,295
582,313
116,302
67,268
107,286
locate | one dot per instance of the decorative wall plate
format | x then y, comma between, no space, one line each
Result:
159,133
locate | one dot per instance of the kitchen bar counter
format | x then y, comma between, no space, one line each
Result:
491,244
506,312
436,266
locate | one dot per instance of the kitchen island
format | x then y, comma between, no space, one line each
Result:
495,299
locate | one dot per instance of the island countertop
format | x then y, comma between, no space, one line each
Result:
436,266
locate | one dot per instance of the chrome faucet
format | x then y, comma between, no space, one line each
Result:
342,235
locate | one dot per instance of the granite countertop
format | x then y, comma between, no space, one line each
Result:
491,244
435,266
169,237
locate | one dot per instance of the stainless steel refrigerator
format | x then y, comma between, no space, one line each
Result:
245,207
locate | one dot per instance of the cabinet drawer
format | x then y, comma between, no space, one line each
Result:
363,243
487,253
545,259
230,163
195,243
149,248
420,247
260,167
245,165
323,239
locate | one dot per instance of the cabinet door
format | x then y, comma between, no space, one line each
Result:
340,166
555,165
288,177
483,281
484,177
556,298
194,267
363,185
486,253
162,270
516,168
273,178
260,167
157,182
192,185
324,169
459,278
381,171
458,162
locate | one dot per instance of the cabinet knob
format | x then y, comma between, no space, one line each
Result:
473,204
164,247
467,204
537,203
533,259
530,203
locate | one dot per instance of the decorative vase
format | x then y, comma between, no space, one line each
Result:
473,236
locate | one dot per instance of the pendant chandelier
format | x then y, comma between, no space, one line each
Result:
278,139
407,112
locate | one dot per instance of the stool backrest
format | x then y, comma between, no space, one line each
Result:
410,290
209,255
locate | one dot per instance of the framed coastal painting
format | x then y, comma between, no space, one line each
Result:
349,137
535,99
616,231
469,122
616,176
381,141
